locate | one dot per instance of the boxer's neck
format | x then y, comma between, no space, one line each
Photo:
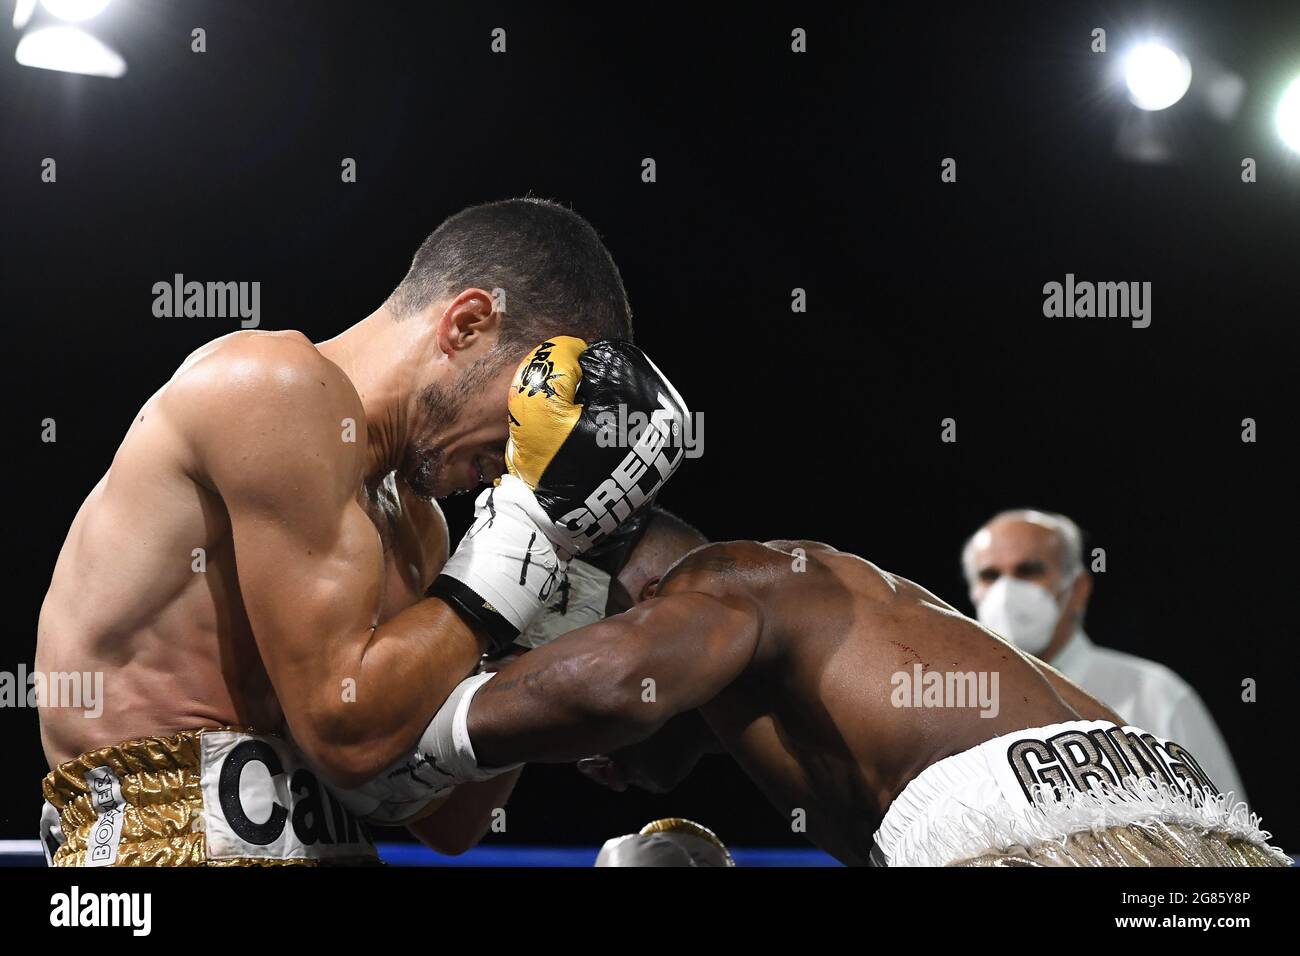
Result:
389,364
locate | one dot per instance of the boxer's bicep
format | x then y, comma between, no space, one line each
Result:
308,558
689,647
311,595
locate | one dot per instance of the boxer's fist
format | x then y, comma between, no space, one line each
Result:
570,407
669,842
583,596
505,569
576,482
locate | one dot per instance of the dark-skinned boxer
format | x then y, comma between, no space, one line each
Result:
830,682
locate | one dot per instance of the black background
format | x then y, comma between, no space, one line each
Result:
775,171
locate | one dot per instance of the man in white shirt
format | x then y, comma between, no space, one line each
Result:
1026,577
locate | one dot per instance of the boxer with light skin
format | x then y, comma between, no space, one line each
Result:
258,553
785,655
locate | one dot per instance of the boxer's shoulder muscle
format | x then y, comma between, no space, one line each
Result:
713,568
735,573
795,546
759,570
265,398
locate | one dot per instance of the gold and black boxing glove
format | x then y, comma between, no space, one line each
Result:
595,431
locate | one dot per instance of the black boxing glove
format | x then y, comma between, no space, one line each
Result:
565,442
574,482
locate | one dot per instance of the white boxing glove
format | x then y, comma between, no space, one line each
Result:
669,842
578,601
506,568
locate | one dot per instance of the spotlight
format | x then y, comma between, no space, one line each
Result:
1288,115
75,10
1156,76
57,37
69,50
23,10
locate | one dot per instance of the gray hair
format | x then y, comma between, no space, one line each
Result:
1068,536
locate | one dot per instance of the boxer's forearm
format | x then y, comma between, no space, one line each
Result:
552,707
381,693
460,823
612,684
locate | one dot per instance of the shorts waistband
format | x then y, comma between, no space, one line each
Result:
1046,783
226,796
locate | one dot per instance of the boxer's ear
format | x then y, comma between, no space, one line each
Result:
649,589
618,599
468,320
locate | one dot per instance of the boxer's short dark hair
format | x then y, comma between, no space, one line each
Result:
663,523
557,275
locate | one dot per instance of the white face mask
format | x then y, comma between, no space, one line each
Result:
1024,613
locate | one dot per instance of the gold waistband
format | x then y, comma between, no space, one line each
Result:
161,803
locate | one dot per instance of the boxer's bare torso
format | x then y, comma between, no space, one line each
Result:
789,650
812,720
145,589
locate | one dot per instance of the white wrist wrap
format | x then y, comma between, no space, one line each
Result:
446,743
443,758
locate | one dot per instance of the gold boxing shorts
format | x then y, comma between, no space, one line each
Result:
222,797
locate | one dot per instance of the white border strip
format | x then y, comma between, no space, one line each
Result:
20,847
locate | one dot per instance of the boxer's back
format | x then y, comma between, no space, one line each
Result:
829,721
